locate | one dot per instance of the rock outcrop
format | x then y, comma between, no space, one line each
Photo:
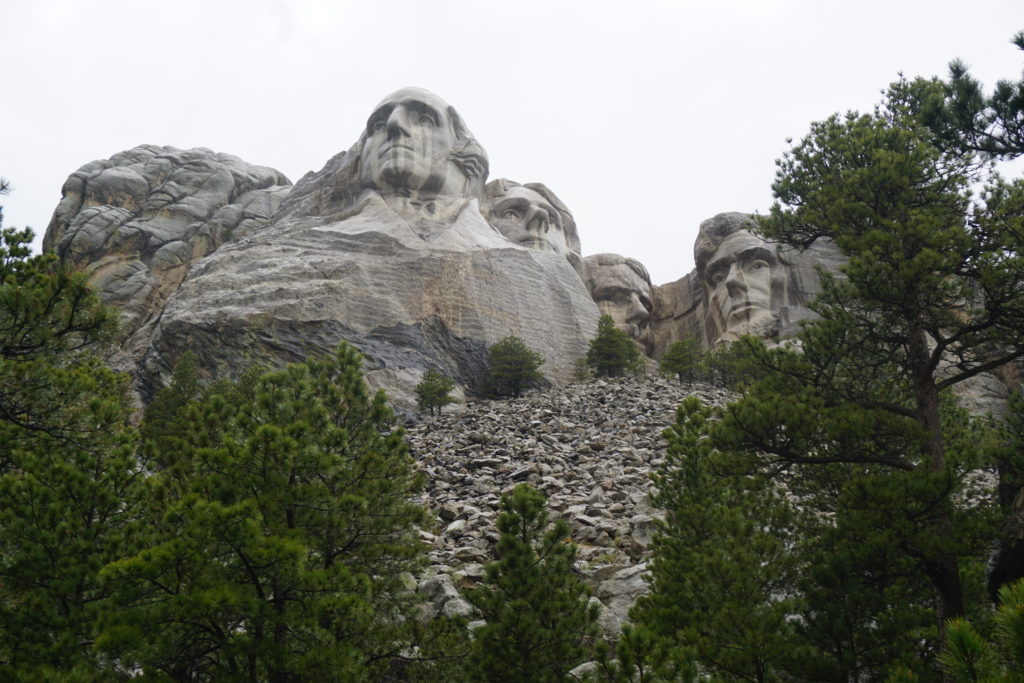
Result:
137,221
385,248
741,285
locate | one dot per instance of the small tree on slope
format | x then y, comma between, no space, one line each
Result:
539,620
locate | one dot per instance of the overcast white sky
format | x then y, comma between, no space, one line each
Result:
645,117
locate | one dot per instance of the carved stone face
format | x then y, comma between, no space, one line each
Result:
528,219
409,138
741,278
622,293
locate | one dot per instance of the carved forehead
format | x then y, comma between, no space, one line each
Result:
416,96
520,192
619,276
742,244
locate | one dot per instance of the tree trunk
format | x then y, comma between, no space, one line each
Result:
943,569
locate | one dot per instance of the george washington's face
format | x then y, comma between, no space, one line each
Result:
409,139
528,219
740,278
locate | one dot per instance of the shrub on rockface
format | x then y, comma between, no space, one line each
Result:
611,352
539,617
513,367
434,391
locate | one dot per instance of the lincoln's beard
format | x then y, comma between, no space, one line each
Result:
756,323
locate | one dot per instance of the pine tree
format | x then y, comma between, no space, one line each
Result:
970,657
682,359
930,294
434,391
963,118
67,468
161,420
722,571
281,555
513,367
611,352
539,619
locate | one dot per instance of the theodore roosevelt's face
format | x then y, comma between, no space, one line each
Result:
408,140
740,279
528,219
619,291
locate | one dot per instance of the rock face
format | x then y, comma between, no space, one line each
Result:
385,247
137,221
590,447
742,285
533,216
621,287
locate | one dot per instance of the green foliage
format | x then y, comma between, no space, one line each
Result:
513,367
733,365
539,620
434,391
161,424
67,468
642,657
962,117
851,422
930,296
580,370
47,315
280,548
682,359
970,657
722,573
611,352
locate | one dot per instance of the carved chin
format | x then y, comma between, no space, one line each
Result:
762,324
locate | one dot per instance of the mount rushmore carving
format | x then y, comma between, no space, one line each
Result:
398,245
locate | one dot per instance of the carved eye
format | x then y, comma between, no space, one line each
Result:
427,120
511,214
378,126
718,278
758,265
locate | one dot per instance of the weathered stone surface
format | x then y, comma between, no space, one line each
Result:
385,248
532,216
590,447
137,221
297,290
622,289
742,285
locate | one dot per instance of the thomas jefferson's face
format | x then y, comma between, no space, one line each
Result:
740,278
621,293
526,218
408,140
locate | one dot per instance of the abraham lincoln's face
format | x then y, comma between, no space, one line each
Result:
741,277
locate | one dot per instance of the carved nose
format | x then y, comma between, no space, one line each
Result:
734,281
398,123
537,221
637,313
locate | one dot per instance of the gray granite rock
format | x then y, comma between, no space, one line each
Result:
137,221
742,285
589,446
621,287
385,248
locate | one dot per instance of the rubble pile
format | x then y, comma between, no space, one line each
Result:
589,447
